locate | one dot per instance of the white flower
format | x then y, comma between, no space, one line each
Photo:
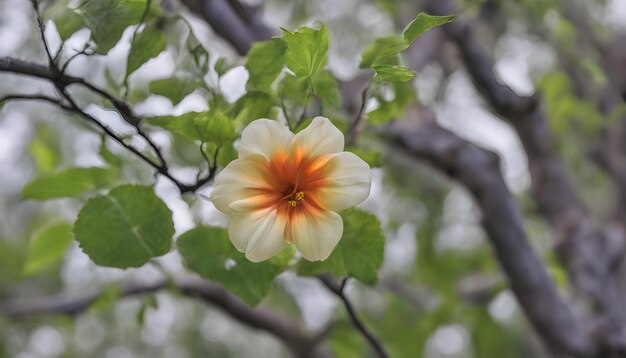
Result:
287,188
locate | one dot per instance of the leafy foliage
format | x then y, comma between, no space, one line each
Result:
208,251
48,247
359,253
147,44
107,19
124,228
306,50
71,182
265,62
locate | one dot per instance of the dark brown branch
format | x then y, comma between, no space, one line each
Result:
302,343
62,81
34,97
338,289
233,21
591,255
478,170
354,126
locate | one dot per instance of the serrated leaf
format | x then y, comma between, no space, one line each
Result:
146,45
107,19
264,63
390,73
359,253
254,105
382,49
66,21
388,110
325,86
124,228
295,88
424,22
48,247
71,182
174,88
215,126
306,50
209,252
182,125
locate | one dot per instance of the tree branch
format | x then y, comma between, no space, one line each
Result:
338,289
61,81
300,342
478,170
578,243
233,21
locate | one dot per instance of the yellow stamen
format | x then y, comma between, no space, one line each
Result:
298,197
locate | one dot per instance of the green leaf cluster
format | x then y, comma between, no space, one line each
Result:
209,252
382,55
359,253
125,228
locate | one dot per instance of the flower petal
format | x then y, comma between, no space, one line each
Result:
319,138
264,137
258,233
241,179
315,232
347,182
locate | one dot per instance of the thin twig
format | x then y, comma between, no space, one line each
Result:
306,103
74,56
301,342
42,29
283,107
352,131
36,97
338,289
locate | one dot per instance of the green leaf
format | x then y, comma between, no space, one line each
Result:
48,247
66,21
382,49
44,149
265,61
294,88
146,45
222,66
113,160
424,22
359,253
107,19
108,297
174,88
209,252
325,86
389,73
215,126
254,105
370,156
182,125
388,110
306,50
125,228
71,182
199,54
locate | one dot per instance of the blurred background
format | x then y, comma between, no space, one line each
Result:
441,292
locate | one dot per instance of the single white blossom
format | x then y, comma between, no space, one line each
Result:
287,188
